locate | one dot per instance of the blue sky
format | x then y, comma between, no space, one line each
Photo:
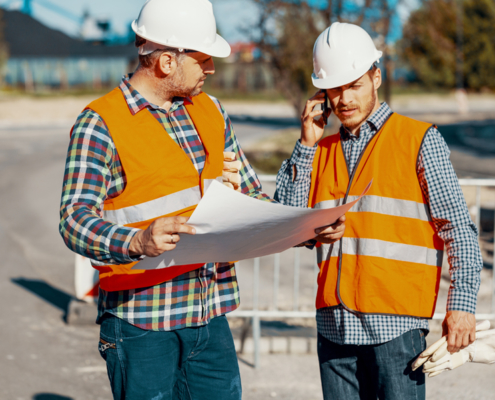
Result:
230,14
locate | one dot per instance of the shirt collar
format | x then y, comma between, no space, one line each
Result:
375,121
136,102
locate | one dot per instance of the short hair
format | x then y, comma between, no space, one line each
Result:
148,60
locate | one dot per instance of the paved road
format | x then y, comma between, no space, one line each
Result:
41,356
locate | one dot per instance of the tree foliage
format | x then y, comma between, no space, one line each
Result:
287,30
289,47
430,42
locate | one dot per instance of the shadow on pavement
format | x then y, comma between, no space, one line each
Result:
242,360
50,396
50,294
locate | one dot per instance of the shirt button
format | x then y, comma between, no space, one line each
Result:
299,154
307,157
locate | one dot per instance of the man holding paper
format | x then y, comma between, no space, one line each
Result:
139,161
378,286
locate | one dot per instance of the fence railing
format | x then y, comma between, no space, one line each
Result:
275,313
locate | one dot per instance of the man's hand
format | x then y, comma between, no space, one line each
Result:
230,174
332,233
162,235
460,328
437,359
311,130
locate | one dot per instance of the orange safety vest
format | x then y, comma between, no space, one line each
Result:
161,179
389,260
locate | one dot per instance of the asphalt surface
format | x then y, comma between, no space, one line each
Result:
43,358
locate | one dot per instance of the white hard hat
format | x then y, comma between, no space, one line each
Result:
342,54
182,24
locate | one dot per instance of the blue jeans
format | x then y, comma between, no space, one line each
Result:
368,372
190,363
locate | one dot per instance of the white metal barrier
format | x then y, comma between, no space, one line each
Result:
256,314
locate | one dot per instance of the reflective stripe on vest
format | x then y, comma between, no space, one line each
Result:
154,209
383,205
383,249
390,258
161,180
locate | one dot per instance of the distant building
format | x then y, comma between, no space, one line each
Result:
243,71
43,57
243,52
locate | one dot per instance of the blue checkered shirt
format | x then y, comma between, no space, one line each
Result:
446,202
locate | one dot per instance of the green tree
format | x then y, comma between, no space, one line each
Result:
288,46
430,42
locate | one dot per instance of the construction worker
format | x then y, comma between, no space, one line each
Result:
378,286
139,160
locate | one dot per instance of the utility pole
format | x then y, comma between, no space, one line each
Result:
460,93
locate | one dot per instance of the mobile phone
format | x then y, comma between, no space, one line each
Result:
325,107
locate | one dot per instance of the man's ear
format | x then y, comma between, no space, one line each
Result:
166,64
377,78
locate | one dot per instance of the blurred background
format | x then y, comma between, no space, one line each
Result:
56,56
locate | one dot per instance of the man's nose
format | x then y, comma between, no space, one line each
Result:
345,97
209,67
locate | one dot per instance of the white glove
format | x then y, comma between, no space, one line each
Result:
230,174
437,359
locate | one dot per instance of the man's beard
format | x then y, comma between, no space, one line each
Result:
176,87
354,121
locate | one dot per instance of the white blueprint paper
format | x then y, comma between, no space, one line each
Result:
231,226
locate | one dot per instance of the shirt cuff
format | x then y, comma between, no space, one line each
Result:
459,300
120,242
303,156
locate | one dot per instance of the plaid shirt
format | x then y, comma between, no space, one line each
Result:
94,173
449,213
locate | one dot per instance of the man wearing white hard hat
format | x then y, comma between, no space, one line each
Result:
378,285
139,160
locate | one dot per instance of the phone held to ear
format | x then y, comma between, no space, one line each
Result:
325,108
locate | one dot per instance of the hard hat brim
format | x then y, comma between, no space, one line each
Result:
220,48
332,82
